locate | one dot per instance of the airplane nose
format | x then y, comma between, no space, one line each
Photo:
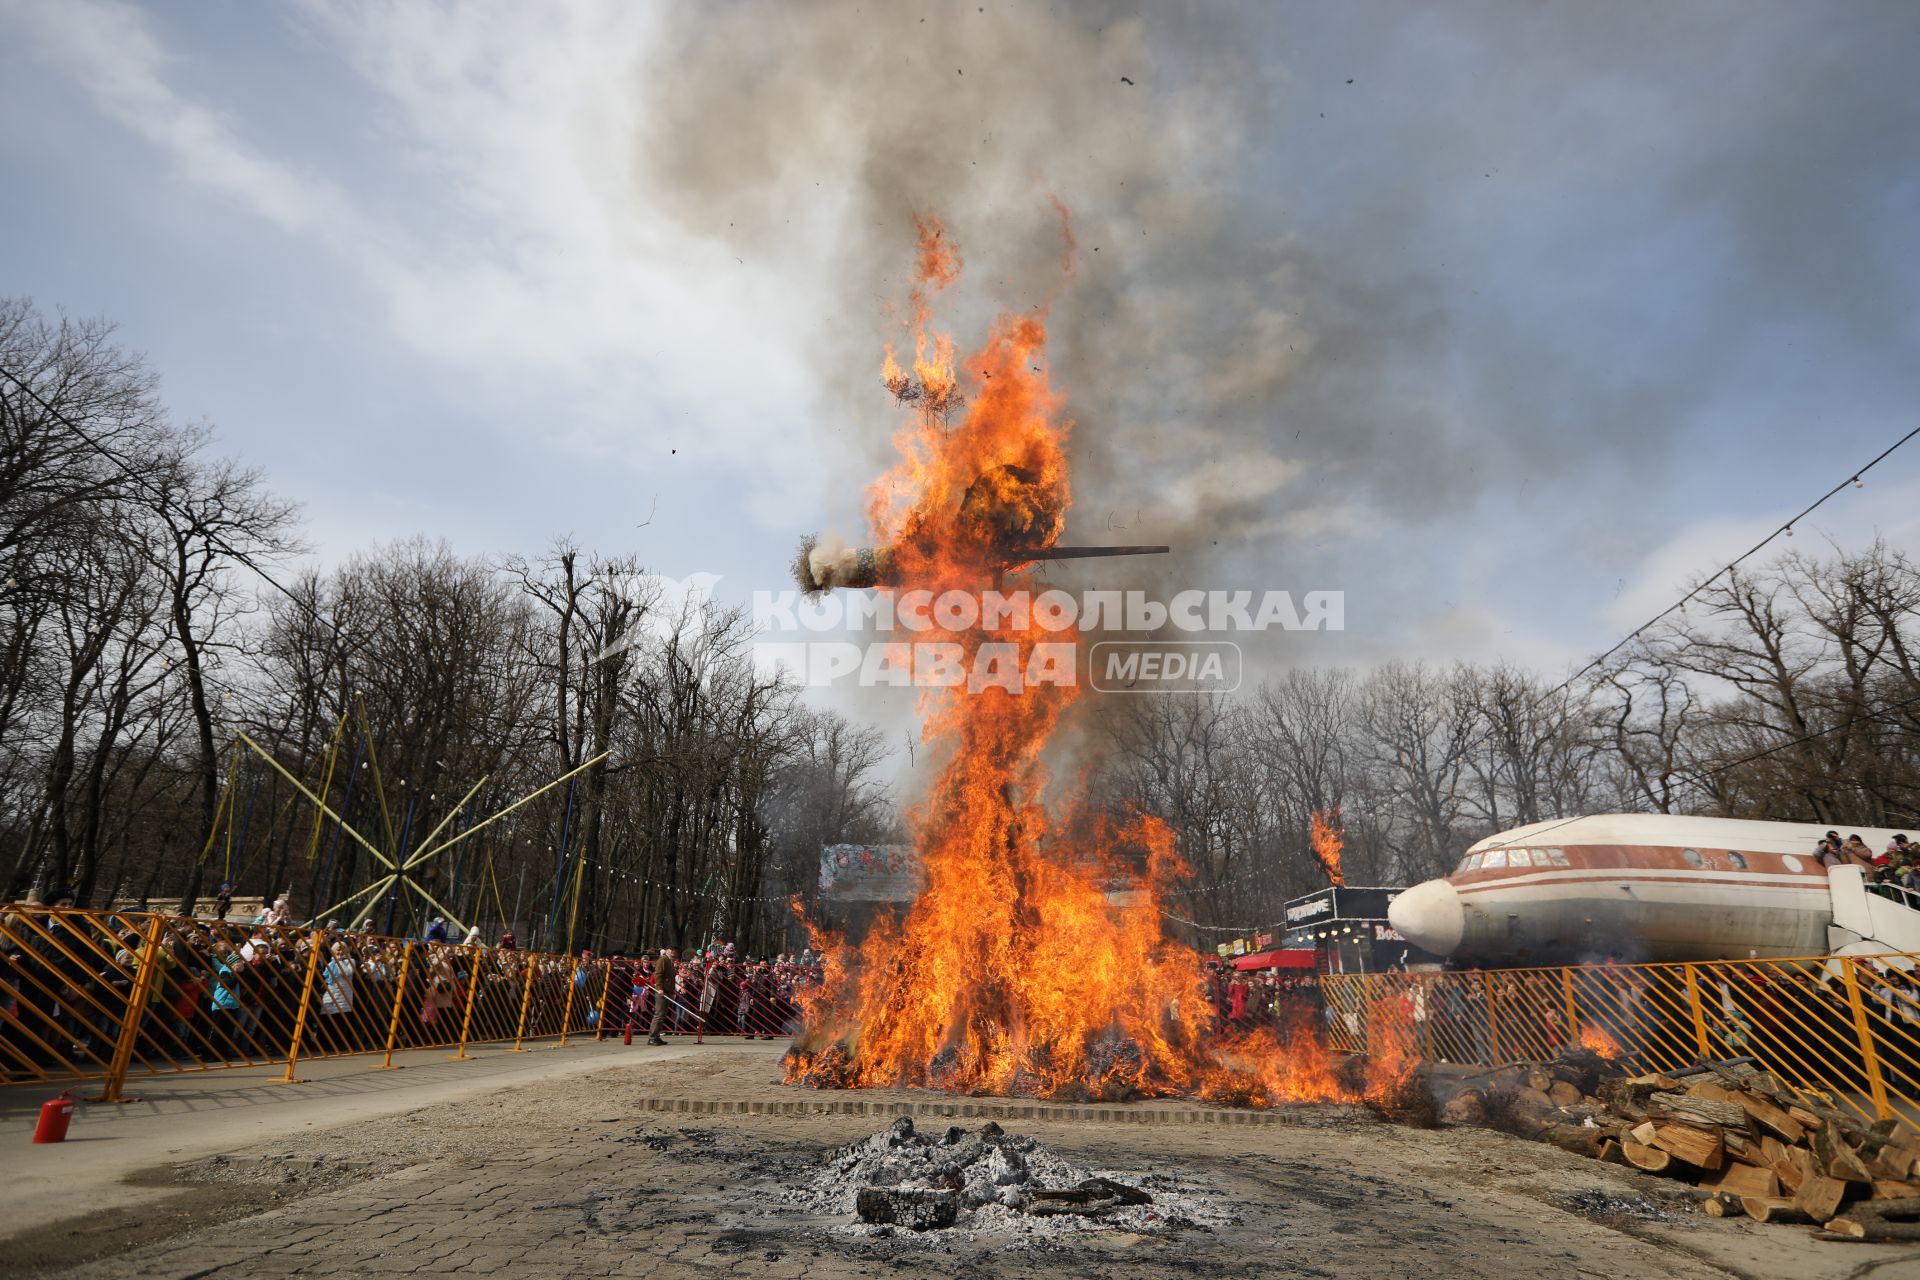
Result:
1429,916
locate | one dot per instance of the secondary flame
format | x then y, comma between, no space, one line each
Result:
1329,838
1033,961
1596,1039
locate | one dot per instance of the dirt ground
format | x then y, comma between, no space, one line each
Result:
665,1169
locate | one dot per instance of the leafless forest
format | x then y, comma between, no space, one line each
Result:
140,641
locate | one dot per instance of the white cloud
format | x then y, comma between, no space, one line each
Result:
1850,521
518,258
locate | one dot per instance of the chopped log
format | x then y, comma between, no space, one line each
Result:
1576,1138
1652,1159
1535,1078
1628,1094
1821,1196
1772,1149
1610,1151
1792,1176
1742,1148
1642,1133
1563,1094
1521,1111
1701,1148
1904,1207
1872,1229
1744,1180
1712,1090
1773,1209
1721,1206
1895,1161
1889,1189
1770,1117
1835,1158
1469,1106
1805,1118
1704,1113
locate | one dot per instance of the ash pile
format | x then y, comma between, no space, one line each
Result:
993,1183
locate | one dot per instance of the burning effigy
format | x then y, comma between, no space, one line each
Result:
1034,962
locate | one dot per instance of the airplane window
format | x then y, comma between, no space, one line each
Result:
1739,862
1559,857
1693,857
1473,862
1498,858
1540,858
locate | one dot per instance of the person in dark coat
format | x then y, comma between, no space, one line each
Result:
663,976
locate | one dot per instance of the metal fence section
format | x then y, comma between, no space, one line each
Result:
1843,1029
107,996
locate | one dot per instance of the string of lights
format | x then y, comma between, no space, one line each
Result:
630,878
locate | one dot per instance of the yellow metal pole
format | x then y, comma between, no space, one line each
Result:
223,807
373,765
579,875
1573,1008
145,968
306,1005
566,1015
442,824
399,1003
526,998
322,805
529,798
1876,1086
473,987
1699,1013
326,785
606,994
1493,1014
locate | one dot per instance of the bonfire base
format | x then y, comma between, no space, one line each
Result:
914,1210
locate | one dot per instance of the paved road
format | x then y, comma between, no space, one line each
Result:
185,1117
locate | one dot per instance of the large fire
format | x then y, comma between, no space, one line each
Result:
1034,960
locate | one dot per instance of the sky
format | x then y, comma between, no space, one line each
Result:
1503,319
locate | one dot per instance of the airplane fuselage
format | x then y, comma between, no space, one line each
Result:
1638,887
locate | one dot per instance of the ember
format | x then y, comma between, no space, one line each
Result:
1019,969
987,1180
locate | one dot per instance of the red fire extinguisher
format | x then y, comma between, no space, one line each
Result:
55,1115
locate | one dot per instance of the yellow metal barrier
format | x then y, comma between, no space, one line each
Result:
109,996
1842,1030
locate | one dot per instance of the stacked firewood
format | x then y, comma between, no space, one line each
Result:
1749,1144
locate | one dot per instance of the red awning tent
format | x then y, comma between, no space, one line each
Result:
1291,958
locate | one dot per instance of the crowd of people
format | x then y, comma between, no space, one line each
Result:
717,991
1241,1000
1896,867
233,991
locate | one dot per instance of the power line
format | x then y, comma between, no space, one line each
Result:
1732,567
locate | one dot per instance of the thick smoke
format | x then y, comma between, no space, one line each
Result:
1336,272
774,124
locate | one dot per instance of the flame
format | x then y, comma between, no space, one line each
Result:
1596,1039
1329,838
1034,961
